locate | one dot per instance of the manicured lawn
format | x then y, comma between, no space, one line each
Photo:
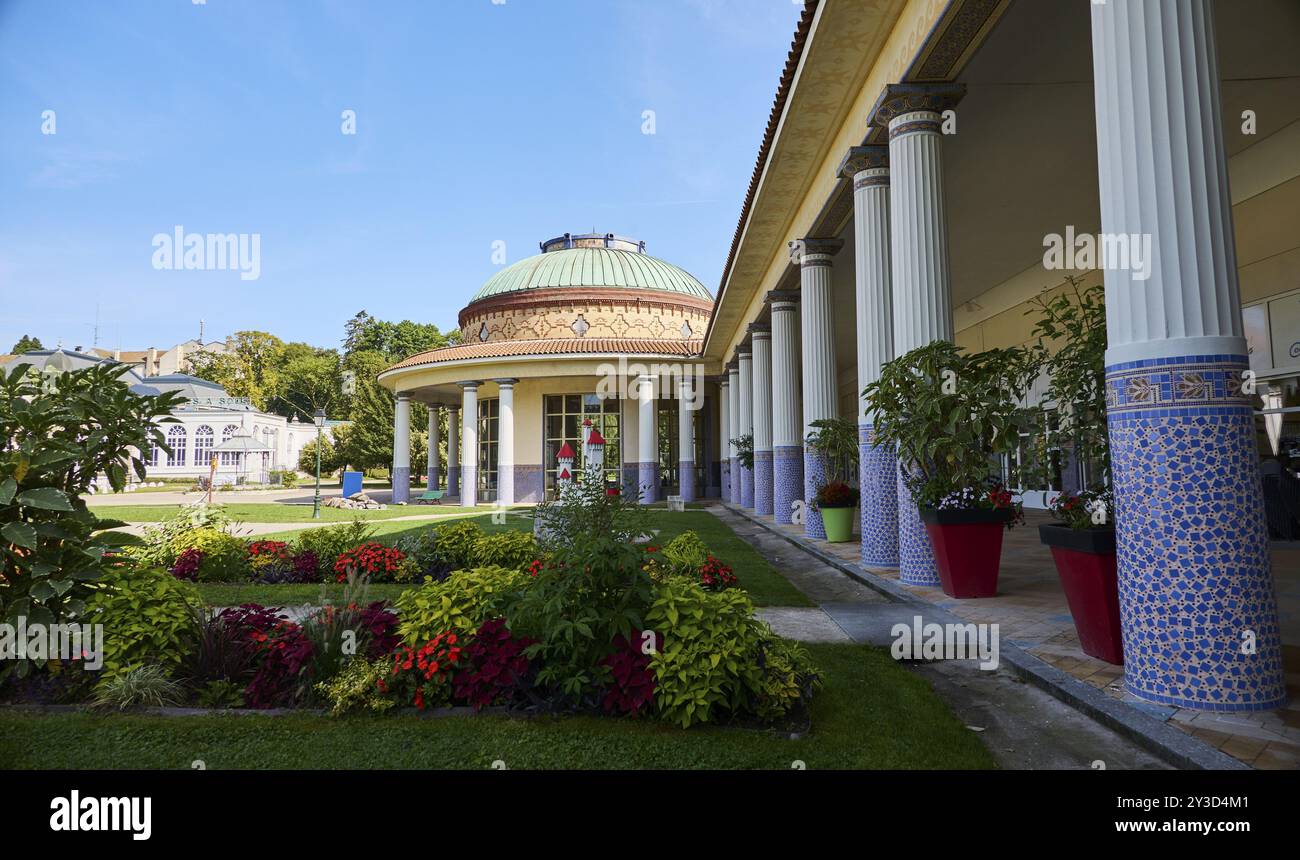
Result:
269,512
872,713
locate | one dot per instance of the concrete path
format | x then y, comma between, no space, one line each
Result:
1023,726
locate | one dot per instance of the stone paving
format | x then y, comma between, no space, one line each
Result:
1032,612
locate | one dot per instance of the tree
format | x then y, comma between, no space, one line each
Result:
309,378
364,333
250,366
26,343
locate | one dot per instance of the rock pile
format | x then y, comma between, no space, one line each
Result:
356,501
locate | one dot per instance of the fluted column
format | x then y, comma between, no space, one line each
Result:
761,343
817,336
402,449
724,430
1197,605
733,429
469,444
453,450
921,301
787,406
506,441
746,377
867,167
435,441
647,445
687,405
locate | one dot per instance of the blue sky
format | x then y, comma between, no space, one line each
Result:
476,122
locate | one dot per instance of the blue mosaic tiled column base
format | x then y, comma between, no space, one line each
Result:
814,474
1195,582
686,480
878,479
763,483
787,481
735,480
647,480
530,483
915,552
453,481
726,481
746,487
401,484
631,475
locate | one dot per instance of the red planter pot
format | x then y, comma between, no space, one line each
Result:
1086,563
967,549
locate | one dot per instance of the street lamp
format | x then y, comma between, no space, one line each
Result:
319,419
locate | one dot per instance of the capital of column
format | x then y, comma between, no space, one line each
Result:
470,384
866,166
906,108
760,331
810,251
782,300
404,396
505,383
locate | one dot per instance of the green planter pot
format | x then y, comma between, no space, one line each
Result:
839,524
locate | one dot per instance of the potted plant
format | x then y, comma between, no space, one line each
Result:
1071,348
952,416
836,442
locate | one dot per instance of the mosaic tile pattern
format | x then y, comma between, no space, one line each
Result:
915,553
814,475
686,480
529,483
746,487
631,476
1194,572
878,479
726,480
647,479
763,483
401,484
453,481
735,479
787,481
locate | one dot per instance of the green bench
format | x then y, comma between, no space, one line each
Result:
430,497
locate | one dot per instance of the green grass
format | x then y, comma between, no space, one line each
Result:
873,713
238,593
270,512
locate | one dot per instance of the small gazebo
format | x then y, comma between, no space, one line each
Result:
243,459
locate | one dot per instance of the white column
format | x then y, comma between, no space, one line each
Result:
469,444
434,458
402,449
867,167
506,441
1197,605
733,430
686,401
453,450
761,343
647,439
724,431
820,397
787,407
746,377
918,246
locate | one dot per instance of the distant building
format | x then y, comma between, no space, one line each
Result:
155,362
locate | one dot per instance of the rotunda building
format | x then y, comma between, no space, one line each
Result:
593,332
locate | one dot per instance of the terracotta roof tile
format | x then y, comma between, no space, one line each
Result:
554,346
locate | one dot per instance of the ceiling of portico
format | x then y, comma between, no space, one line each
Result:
1023,161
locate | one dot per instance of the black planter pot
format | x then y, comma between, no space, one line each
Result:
965,517
1095,541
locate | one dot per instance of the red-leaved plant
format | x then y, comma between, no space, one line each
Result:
631,681
422,676
374,560
716,575
495,667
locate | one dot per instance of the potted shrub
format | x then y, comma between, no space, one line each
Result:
952,416
836,442
1071,348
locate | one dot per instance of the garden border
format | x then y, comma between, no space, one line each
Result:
1155,736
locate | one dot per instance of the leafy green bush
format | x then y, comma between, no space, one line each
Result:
505,549
140,686
461,602
224,556
685,554
709,659
454,543
356,687
149,617
330,542
164,543
789,678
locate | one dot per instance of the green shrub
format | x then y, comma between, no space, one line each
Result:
139,686
461,602
454,543
284,477
709,659
163,543
149,617
505,549
686,554
356,687
225,557
789,678
330,542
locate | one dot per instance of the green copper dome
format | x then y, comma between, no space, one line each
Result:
592,260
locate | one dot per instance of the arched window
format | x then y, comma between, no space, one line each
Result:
229,458
176,439
204,439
